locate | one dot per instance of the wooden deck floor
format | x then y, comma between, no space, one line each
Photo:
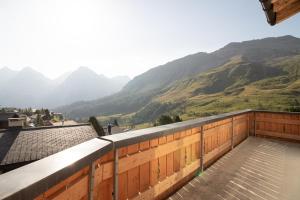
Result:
262,169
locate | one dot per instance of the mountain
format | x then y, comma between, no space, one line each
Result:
29,88
24,89
5,75
84,84
215,81
59,80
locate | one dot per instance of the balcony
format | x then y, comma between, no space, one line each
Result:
228,156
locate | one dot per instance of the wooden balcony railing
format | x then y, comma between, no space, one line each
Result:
144,164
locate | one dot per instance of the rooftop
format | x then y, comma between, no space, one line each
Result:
27,145
6,115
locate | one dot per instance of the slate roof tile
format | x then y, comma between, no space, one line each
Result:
36,143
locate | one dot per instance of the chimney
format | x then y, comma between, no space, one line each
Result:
16,123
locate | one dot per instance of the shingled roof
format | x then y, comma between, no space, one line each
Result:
27,145
6,115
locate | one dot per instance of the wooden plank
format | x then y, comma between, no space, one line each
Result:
177,160
144,176
132,149
170,164
166,184
108,170
162,166
177,136
105,189
170,138
279,121
66,183
122,152
182,158
188,151
278,135
98,176
133,182
269,133
123,186
144,145
78,191
162,140
282,4
289,11
194,154
154,143
154,172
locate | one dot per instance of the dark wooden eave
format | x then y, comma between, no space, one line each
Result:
279,10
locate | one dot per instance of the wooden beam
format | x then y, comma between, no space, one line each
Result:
279,5
288,11
278,121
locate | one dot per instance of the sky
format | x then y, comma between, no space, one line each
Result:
124,37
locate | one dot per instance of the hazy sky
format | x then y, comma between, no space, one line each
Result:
124,37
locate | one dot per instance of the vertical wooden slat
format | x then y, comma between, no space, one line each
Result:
144,176
133,182
170,164
123,186
154,172
162,164
177,160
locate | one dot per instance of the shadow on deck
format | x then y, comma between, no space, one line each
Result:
262,169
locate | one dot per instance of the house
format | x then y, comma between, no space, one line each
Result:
19,146
4,118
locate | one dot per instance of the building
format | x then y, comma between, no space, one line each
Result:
4,118
19,147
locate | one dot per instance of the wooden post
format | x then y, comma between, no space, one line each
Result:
91,180
116,180
248,124
202,150
254,120
232,135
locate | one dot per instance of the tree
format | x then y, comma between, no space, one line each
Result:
176,118
39,121
116,122
98,128
47,114
165,119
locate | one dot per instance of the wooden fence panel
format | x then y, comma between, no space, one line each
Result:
280,125
148,169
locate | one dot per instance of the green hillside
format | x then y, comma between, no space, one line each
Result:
273,85
261,74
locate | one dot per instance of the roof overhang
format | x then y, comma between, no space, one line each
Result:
278,10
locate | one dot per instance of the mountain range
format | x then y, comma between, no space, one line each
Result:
261,74
29,88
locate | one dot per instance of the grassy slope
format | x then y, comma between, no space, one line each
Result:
273,93
236,85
